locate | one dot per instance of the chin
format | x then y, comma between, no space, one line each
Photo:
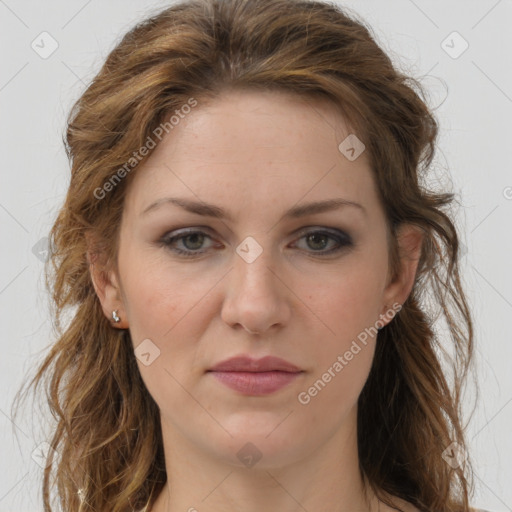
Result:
269,447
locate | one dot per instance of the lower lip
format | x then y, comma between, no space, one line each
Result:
256,383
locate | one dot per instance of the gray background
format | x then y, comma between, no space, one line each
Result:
472,95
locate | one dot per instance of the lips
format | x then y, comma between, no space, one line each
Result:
255,376
248,364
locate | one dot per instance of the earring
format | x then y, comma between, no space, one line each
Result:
115,317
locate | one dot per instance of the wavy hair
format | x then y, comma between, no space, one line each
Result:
107,427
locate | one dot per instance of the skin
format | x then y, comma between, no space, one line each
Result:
256,154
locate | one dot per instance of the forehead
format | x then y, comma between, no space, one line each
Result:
262,120
252,147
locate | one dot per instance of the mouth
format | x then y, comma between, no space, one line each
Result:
255,376
256,383
245,363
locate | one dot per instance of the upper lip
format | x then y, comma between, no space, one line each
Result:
248,364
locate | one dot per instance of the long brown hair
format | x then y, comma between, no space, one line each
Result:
107,434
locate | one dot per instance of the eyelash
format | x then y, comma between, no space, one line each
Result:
344,241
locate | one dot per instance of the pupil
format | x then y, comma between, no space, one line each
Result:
194,236
314,236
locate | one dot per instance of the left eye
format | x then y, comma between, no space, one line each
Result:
192,241
320,239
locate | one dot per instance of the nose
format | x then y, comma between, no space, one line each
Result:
256,296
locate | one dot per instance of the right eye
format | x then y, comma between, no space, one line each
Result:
191,240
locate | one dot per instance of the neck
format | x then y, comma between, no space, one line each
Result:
328,479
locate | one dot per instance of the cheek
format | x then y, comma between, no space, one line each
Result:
167,315
169,306
348,310
157,294
151,303
343,355
348,299
164,309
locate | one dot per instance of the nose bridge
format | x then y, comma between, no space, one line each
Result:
255,297
252,261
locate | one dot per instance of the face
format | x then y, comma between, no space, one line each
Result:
268,277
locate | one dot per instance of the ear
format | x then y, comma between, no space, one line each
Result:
410,241
106,284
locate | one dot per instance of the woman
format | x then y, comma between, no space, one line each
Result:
256,268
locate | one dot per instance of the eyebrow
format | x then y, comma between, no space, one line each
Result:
211,210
